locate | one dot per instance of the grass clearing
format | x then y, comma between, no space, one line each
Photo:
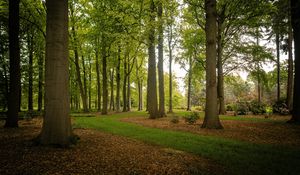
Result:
239,157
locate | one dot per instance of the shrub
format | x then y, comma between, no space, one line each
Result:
241,108
192,118
174,119
257,107
230,107
280,107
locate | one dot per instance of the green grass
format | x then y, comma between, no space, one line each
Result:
239,157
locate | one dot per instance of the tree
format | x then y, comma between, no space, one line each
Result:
14,68
151,83
57,123
211,119
160,64
295,16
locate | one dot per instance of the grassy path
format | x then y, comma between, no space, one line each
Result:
239,157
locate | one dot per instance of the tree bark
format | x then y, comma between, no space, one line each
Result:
289,100
128,87
84,82
118,79
124,84
98,82
14,68
151,86
170,71
104,80
57,123
40,84
112,102
30,72
189,85
295,11
278,66
160,65
90,84
211,119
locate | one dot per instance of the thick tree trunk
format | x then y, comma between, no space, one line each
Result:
14,68
278,66
118,79
295,4
290,83
30,73
104,81
211,119
151,86
160,65
57,123
98,82
189,85
40,91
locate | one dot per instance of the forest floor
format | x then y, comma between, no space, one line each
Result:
96,153
251,128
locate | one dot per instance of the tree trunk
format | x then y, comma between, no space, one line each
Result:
211,119
160,65
14,68
104,80
98,82
151,86
40,91
57,123
289,94
189,85
128,88
84,83
124,85
278,66
77,67
112,102
295,11
220,83
118,79
30,73
170,73
90,84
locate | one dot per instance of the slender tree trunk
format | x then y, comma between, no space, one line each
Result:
140,103
14,68
151,86
57,123
160,65
98,82
220,83
118,79
104,81
295,11
289,94
90,84
30,73
40,91
211,119
170,74
189,85
278,66
124,85
84,83
112,102
128,88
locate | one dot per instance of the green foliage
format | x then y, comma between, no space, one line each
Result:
280,107
241,108
192,117
257,107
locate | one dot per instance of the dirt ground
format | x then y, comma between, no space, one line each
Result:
96,153
277,132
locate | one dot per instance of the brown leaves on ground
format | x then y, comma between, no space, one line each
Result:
278,133
96,153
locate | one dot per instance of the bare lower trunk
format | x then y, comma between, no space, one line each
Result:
112,102
170,79
211,119
98,82
118,79
104,81
14,68
278,66
124,85
189,85
30,73
220,85
290,83
57,123
128,90
40,91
